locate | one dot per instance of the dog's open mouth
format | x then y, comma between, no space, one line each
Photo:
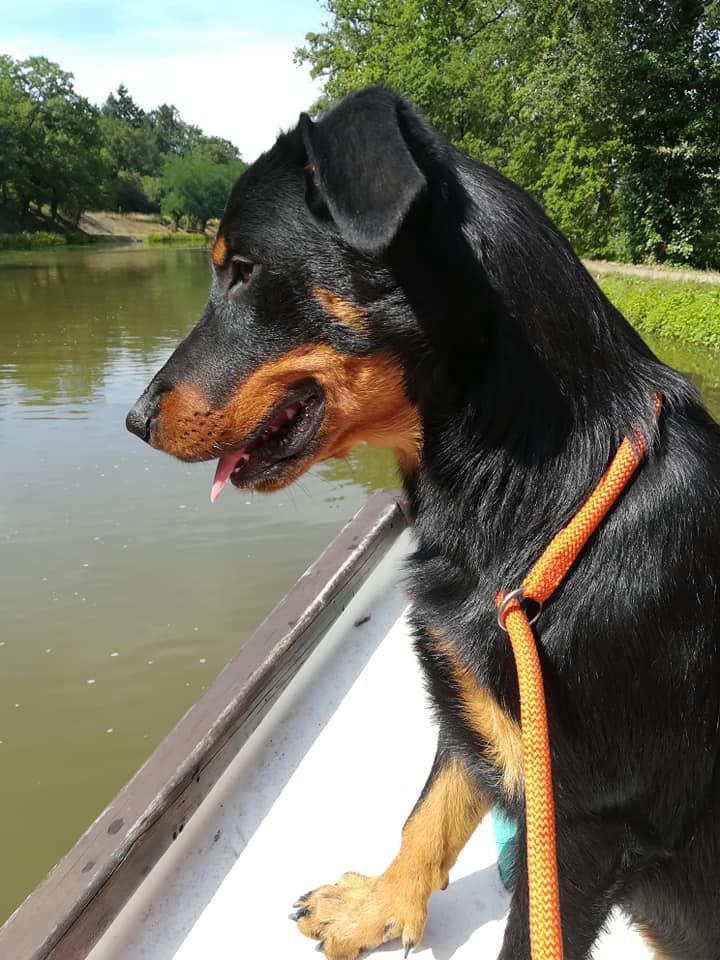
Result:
285,434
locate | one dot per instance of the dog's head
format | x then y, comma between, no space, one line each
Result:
293,360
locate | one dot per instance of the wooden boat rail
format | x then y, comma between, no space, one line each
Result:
73,906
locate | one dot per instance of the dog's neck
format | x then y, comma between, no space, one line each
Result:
517,432
525,376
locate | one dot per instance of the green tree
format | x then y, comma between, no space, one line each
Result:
137,145
130,148
15,124
194,186
438,54
666,87
51,153
216,150
507,84
562,139
639,85
608,111
121,106
172,134
56,149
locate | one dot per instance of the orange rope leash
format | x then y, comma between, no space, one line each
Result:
539,585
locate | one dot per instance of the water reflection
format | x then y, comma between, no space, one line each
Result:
71,323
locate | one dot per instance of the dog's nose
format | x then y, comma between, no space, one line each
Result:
139,419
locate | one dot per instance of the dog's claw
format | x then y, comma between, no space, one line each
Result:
299,914
319,947
408,947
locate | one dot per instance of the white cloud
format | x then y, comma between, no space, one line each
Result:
233,84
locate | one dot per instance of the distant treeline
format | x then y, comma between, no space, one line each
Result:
608,111
63,155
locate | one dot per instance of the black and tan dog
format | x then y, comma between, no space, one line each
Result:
372,283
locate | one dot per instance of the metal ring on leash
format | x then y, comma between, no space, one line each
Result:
519,596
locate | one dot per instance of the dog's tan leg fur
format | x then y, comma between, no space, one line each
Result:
360,912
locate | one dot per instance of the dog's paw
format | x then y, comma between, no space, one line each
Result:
359,913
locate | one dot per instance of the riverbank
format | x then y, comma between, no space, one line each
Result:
656,272
687,310
34,231
139,227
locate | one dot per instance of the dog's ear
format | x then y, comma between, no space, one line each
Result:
363,168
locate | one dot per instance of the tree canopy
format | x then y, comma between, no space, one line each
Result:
49,138
197,185
57,150
607,111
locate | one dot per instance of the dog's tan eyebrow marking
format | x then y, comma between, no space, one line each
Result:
344,311
219,251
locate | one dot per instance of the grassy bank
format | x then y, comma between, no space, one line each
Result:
181,238
30,240
42,239
148,227
37,230
681,309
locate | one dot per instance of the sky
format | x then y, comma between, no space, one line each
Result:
228,67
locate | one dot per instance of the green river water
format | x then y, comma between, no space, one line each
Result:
122,590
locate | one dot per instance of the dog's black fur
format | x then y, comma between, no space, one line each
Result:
526,379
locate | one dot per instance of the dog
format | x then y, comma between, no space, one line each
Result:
372,283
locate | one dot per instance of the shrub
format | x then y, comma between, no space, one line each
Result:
25,240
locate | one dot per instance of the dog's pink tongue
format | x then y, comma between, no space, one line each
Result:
226,465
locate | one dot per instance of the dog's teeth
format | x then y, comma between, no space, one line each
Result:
274,429
244,457
290,412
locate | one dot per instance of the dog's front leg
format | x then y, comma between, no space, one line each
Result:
358,912
589,858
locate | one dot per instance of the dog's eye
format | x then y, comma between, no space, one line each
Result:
241,273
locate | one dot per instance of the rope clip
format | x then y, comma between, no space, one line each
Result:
520,597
